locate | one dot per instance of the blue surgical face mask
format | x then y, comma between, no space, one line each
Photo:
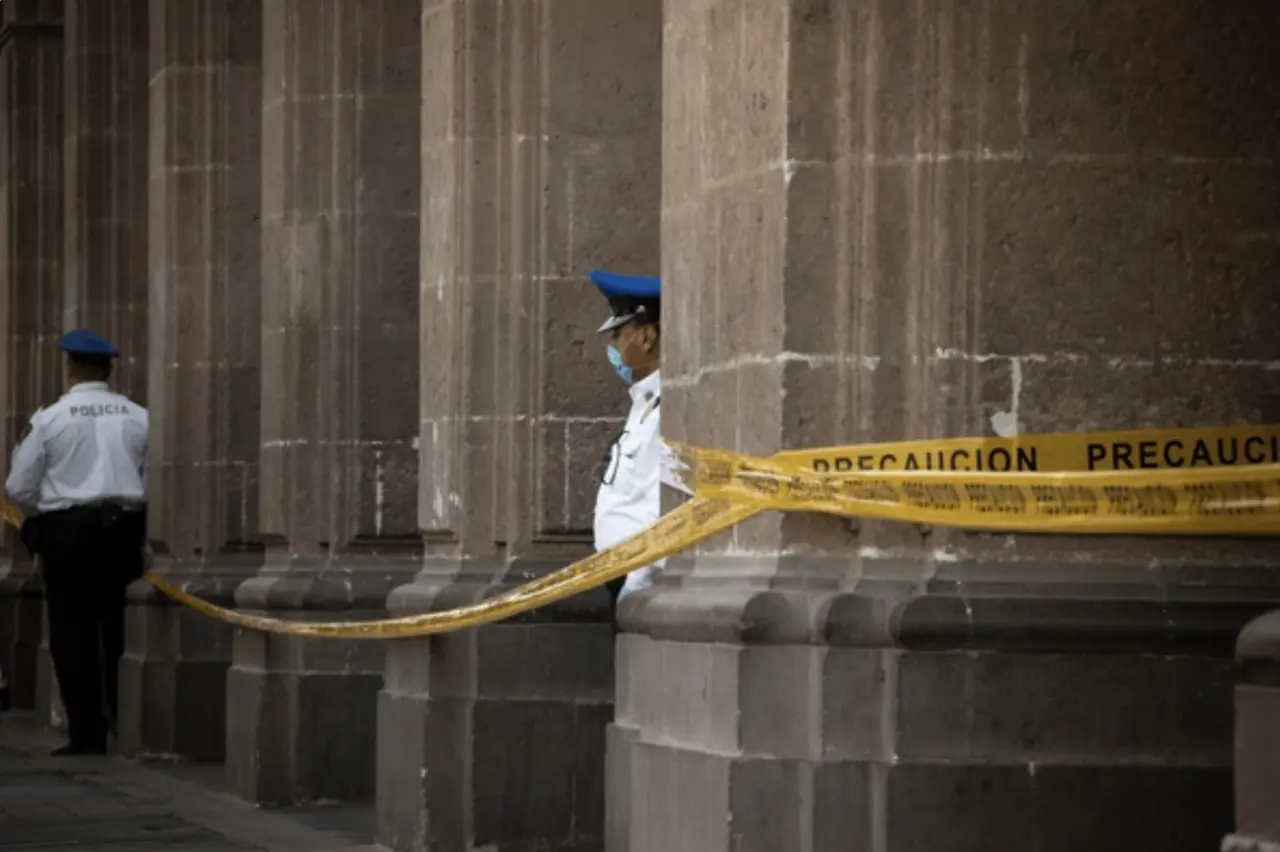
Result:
615,358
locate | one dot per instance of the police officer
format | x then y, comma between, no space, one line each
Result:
79,473
629,497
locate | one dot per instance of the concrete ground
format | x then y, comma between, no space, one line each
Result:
106,804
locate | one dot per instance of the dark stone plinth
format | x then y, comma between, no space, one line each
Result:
301,712
21,620
1257,732
930,721
495,737
173,675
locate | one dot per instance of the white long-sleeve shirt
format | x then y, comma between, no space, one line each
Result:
88,447
630,495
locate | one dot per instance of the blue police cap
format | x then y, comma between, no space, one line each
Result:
632,297
82,341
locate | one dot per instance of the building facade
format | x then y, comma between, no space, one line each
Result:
343,246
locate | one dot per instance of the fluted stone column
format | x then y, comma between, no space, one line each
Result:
893,220
104,186
338,484
540,160
30,289
205,280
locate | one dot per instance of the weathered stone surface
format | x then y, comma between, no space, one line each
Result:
891,221
30,290
1257,731
338,418
205,291
540,160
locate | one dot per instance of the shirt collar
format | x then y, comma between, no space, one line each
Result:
80,387
647,388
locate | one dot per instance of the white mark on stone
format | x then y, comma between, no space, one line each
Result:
1114,362
379,491
568,469
791,166
1024,88
948,554
693,378
1005,423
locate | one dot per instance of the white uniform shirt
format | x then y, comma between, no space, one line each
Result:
88,447
630,496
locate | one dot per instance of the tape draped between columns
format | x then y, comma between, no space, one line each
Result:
1208,481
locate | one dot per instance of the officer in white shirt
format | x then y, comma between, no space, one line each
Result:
629,499
79,474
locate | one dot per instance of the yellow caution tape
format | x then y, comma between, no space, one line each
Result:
1182,481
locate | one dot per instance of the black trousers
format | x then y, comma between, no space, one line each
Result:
89,556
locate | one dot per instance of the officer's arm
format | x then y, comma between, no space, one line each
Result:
26,468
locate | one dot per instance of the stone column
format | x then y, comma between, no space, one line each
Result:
104,186
540,160
1257,738
205,280
30,289
105,93
338,483
886,221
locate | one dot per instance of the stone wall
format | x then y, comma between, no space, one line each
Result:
892,221
205,290
338,399
540,160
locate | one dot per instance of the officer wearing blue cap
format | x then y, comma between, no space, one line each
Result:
629,497
79,474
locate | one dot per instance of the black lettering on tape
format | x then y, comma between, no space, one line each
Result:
1147,455
1065,500
1200,453
999,460
1169,458
911,464
1003,499
821,466
887,459
870,491
866,463
1251,455
1097,452
844,463
718,472
926,495
1121,453
957,455
811,490
1027,459
1148,501
760,481
1227,499
1222,452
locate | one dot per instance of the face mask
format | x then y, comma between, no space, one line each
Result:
615,358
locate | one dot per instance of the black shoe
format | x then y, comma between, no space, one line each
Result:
72,749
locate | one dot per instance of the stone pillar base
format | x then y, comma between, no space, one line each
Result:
1003,724
173,675
1257,734
301,712
494,738
21,620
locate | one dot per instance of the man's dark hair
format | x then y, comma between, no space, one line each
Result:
91,368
